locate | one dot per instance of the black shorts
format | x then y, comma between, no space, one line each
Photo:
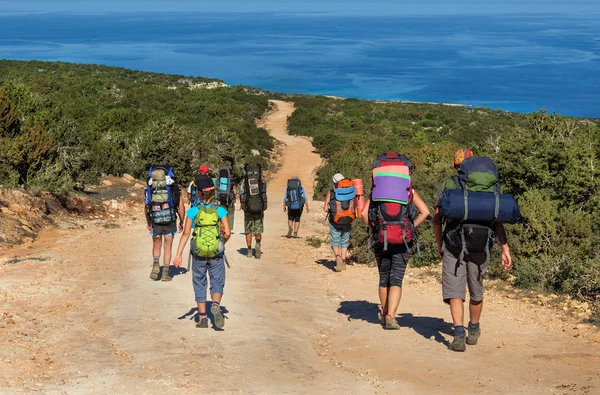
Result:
294,215
392,264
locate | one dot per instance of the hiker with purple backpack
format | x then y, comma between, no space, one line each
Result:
391,215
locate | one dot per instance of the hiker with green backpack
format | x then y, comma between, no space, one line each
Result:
470,213
391,216
208,225
163,205
253,200
294,202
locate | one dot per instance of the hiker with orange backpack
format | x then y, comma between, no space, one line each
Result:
391,215
340,205
469,214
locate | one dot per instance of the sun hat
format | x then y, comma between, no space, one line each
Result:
337,177
204,183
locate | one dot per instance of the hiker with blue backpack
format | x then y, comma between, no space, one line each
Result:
470,213
208,225
392,213
163,205
293,204
340,206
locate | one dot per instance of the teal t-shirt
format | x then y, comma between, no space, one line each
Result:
193,211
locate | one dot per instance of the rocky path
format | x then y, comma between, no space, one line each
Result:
81,316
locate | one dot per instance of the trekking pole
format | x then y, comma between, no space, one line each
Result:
189,261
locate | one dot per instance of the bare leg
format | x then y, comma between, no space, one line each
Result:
457,310
290,223
296,226
216,297
383,298
475,309
156,246
344,252
249,240
168,249
336,250
202,308
393,300
258,237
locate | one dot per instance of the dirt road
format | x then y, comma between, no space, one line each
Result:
82,316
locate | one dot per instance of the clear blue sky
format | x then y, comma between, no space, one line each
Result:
361,7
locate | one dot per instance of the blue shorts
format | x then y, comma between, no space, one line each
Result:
168,230
202,270
340,235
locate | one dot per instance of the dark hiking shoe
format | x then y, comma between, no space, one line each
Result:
339,264
165,274
257,251
474,334
249,254
155,270
289,234
215,309
202,323
391,323
381,315
458,344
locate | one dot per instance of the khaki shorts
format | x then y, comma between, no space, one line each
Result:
456,277
253,225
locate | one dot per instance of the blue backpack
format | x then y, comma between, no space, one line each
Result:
294,194
159,195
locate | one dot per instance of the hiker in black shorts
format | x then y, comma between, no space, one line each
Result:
293,204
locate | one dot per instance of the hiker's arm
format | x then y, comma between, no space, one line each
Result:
285,203
364,214
305,200
148,219
181,212
437,229
423,209
506,258
327,198
187,230
226,228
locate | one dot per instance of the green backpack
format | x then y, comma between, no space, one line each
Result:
207,241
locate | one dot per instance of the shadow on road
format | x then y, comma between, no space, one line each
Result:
193,314
328,263
359,310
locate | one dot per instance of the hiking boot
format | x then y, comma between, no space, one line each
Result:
202,323
474,334
381,315
458,344
165,274
391,323
295,235
257,251
339,264
155,270
249,254
289,234
215,309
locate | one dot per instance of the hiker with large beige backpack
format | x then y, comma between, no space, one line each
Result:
208,225
163,205
253,200
393,212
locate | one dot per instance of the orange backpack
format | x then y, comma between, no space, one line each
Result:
342,202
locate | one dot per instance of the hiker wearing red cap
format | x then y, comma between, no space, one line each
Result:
464,246
191,191
208,225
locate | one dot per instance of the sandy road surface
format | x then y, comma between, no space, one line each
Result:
83,317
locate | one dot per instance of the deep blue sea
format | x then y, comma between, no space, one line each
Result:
516,63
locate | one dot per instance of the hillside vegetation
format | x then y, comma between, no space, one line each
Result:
63,125
549,162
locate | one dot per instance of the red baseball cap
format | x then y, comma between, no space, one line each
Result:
203,169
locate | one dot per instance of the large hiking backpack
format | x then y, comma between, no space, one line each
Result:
294,199
255,191
472,210
207,240
342,202
391,201
159,195
225,186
